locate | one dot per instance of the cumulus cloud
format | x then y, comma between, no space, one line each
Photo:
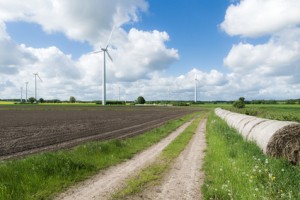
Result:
136,54
140,58
142,53
83,21
270,69
253,18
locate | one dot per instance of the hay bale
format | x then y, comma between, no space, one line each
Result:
286,143
275,138
262,132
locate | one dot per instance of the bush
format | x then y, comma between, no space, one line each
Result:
140,100
72,99
31,99
239,103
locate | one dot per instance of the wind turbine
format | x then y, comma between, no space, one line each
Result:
105,51
119,93
26,90
196,88
21,100
36,75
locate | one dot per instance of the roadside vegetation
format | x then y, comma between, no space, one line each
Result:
236,169
43,175
155,171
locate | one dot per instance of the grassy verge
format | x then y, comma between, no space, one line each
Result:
41,176
156,170
236,169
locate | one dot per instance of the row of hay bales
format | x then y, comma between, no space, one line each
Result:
275,138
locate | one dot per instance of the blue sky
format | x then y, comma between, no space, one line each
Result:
235,48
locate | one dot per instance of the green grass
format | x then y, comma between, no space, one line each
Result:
155,171
43,175
236,169
7,103
281,112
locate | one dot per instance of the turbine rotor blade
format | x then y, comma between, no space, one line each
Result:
107,43
39,77
109,56
94,52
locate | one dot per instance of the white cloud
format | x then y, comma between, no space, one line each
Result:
142,53
266,70
280,56
137,54
80,20
140,58
252,18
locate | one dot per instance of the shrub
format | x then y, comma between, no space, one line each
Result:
72,99
239,103
31,99
140,100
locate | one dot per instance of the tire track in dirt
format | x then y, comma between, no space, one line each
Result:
184,180
104,184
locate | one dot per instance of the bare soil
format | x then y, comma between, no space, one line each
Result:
29,129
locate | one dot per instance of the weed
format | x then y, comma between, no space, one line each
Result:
236,169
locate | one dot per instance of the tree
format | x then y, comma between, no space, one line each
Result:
72,99
239,103
41,100
31,99
140,100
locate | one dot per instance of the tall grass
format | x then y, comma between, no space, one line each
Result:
236,169
42,176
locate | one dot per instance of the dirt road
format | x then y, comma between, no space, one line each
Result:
105,183
184,180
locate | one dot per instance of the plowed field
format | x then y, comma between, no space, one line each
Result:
29,129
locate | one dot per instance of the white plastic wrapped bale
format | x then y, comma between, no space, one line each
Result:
275,138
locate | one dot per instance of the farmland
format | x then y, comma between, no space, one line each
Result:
30,128
27,129
282,112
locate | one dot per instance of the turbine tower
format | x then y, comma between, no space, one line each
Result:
105,51
36,75
196,89
119,93
21,100
26,90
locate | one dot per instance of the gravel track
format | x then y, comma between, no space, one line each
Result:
182,182
104,184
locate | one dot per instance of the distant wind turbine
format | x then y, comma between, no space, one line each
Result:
36,75
105,51
119,93
26,90
21,100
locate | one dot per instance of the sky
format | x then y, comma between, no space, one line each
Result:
233,48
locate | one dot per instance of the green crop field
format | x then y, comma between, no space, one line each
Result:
6,102
283,112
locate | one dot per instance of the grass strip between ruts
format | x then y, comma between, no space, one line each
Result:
237,169
156,170
43,175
